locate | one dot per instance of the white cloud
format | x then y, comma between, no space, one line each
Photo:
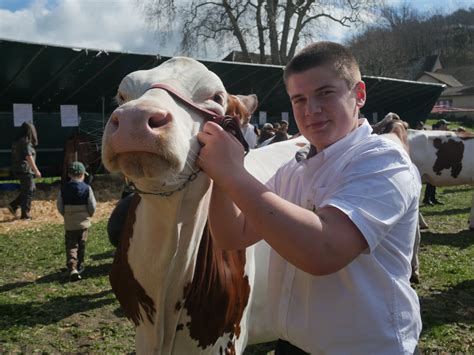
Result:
116,25
119,25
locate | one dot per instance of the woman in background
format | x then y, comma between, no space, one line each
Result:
24,168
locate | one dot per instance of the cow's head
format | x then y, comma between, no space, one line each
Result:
151,136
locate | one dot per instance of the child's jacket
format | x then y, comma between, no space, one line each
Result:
76,202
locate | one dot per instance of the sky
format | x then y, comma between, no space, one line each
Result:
119,25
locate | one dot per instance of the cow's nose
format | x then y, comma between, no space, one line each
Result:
139,118
134,127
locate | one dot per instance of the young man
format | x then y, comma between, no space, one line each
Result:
341,223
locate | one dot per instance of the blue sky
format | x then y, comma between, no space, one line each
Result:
118,25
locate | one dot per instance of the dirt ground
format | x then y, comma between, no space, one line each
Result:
107,190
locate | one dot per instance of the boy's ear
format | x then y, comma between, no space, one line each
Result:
360,94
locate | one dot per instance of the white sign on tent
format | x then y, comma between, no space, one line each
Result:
69,116
22,113
262,117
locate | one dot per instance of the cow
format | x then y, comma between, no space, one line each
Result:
444,158
183,295
81,147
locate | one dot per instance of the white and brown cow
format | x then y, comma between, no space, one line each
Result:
183,295
444,158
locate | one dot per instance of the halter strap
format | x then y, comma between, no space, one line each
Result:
210,114
230,124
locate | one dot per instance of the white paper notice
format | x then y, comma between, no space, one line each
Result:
69,116
262,117
22,113
285,116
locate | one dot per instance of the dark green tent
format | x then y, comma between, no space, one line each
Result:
49,76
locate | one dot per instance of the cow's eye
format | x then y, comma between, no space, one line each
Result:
120,98
219,98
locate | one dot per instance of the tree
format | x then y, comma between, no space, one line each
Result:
403,36
271,27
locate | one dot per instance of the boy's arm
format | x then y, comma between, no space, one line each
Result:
91,202
60,204
319,244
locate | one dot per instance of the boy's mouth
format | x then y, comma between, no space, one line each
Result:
316,126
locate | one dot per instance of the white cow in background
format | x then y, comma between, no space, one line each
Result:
183,295
444,158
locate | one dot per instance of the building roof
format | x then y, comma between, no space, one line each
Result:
445,79
458,91
464,73
238,56
417,66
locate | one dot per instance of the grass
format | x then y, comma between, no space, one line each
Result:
40,311
447,288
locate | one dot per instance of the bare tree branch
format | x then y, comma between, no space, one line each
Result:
276,27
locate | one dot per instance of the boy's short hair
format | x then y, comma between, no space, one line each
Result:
325,53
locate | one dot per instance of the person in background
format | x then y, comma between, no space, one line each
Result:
441,125
340,260
279,133
265,133
420,125
76,203
282,133
249,132
24,168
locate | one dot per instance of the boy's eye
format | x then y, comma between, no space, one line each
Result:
324,93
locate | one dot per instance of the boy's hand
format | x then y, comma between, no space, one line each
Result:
221,155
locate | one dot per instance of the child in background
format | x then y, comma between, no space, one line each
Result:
76,202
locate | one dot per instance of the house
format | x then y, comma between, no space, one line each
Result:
457,99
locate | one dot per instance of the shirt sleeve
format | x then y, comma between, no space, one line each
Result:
60,203
91,202
376,191
29,150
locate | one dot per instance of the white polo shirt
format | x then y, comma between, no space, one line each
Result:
368,307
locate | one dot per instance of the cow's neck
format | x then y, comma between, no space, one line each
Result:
163,237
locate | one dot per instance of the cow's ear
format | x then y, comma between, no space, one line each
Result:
249,101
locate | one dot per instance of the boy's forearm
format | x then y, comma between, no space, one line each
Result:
226,222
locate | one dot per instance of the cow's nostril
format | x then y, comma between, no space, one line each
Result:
159,120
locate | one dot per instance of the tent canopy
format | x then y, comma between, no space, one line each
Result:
48,76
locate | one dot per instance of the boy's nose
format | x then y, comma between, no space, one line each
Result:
313,106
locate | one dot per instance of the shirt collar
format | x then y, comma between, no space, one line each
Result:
362,131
